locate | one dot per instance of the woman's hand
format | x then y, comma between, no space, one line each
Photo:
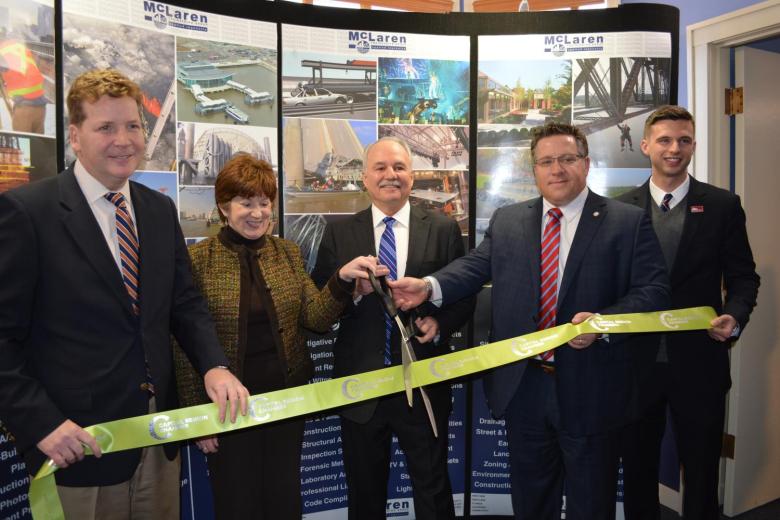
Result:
208,444
357,269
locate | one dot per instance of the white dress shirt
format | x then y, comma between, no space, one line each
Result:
103,209
678,194
400,230
570,219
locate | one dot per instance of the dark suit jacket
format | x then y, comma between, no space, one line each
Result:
70,346
615,265
434,241
713,253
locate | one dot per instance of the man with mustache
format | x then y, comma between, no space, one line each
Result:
703,237
408,240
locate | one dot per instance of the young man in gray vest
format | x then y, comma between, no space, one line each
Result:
703,237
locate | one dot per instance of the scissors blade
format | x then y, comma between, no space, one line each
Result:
406,359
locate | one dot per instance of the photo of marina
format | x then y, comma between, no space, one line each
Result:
218,82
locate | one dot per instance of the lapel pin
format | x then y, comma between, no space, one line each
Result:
699,208
596,213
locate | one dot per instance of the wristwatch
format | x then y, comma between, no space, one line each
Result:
428,288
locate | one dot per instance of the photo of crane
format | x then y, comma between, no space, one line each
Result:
612,98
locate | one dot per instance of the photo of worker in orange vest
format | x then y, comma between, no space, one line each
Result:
22,86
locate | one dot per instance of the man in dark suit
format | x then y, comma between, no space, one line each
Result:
702,233
563,413
94,277
423,242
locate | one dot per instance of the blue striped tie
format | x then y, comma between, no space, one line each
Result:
128,247
387,258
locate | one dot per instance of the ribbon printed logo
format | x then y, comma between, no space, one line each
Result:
443,368
161,427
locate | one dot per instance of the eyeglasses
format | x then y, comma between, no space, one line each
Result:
564,160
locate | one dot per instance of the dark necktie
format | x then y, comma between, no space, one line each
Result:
387,258
665,203
128,247
548,294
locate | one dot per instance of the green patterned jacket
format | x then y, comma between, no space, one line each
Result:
297,304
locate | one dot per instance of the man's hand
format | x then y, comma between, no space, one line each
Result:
428,327
408,292
722,327
583,340
222,386
64,446
208,444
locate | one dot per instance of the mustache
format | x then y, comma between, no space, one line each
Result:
392,184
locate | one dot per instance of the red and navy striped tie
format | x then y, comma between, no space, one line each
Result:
128,247
548,294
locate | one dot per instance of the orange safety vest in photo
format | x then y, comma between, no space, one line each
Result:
21,76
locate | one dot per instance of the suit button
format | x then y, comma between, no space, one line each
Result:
289,370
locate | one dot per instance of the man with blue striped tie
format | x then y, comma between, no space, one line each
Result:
408,240
94,278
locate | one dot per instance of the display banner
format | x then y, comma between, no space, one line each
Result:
209,91
604,83
28,152
201,420
341,90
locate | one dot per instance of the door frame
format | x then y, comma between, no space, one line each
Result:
708,67
709,45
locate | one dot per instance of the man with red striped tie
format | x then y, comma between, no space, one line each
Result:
94,278
555,259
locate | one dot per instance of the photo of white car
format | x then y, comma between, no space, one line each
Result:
309,96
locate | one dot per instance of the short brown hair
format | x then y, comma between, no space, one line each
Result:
668,112
92,85
244,176
553,128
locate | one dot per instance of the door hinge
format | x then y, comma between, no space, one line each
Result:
727,449
734,98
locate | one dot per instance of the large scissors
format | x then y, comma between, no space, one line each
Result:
407,351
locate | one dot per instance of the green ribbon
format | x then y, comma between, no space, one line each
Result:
198,421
